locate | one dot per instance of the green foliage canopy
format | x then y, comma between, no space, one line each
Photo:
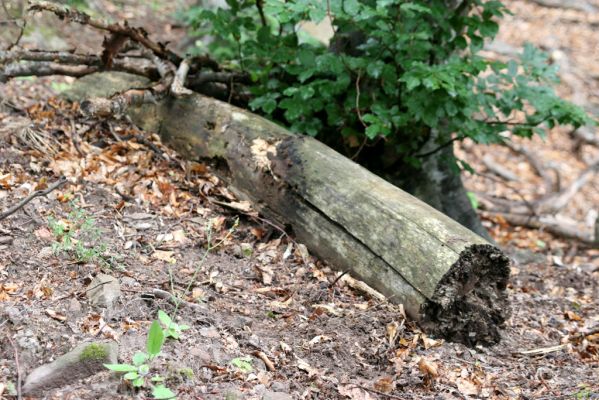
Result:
396,70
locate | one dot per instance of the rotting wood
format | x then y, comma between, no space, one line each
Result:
448,278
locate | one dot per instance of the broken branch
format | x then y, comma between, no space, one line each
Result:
32,196
138,35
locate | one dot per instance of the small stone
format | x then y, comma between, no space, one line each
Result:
278,386
128,281
84,360
74,306
103,291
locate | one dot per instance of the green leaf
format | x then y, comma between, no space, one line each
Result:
139,382
164,318
155,339
375,69
411,82
512,68
131,376
243,363
139,358
473,199
162,392
489,29
121,367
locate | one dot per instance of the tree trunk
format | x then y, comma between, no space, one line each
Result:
448,278
440,186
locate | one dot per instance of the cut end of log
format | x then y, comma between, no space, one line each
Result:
470,303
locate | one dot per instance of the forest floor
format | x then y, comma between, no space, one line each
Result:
265,320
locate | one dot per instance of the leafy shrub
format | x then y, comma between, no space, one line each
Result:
398,72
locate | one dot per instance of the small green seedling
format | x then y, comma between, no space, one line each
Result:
78,236
139,372
244,364
171,328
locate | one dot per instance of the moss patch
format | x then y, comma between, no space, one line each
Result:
94,352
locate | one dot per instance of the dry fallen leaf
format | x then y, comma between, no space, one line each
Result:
429,369
56,315
304,366
164,255
467,387
384,384
354,392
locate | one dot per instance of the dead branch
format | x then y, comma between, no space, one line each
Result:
586,135
499,170
550,224
138,35
567,4
119,104
220,77
535,163
74,59
522,213
178,87
555,202
32,196
44,69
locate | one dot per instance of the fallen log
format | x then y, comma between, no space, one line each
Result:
449,279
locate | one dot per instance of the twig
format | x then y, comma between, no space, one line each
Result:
555,202
138,35
498,169
32,196
17,365
543,350
260,7
71,58
551,225
178,86
437,149
337,278
269,364
358,100
21,26
534,162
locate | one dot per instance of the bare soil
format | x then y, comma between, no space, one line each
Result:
158,222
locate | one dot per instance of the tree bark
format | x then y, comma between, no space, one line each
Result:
442,188
448,278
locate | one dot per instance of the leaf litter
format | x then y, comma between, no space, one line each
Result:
265,301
